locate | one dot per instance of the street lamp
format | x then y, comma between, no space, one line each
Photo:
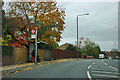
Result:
77,32
115,40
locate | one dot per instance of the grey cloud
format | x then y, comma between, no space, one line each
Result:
99,25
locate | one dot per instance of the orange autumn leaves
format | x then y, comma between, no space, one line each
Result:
47,16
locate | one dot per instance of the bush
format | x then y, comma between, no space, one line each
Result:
73,48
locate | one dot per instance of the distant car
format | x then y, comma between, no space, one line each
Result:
109,58
101,56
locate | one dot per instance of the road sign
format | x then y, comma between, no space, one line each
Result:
33,36
33,31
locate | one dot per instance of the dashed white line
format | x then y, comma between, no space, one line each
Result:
89,66
102,60
93,63
110,66
105,64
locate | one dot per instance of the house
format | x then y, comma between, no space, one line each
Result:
67,46
111,54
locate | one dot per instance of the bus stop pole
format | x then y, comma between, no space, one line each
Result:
36,48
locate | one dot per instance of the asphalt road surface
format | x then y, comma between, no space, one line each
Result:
94,68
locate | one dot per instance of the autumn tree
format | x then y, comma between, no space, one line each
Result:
4,38
46,16
91,48
79,47
88,47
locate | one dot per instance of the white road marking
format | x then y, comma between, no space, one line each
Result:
102,60
114,68
101,69
89,66
110,66
93,63
105,75
105,64
89,75
105,72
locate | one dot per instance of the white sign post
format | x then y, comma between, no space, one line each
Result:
33,36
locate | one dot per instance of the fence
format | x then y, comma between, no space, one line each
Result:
14,55
20,55
46,54
7,55
57,54
17,55
89,57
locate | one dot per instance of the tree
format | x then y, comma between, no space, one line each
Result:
91,48
87,47
5,38
46,16
71,47
80,43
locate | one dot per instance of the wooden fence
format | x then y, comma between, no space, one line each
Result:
14,55
57,54
17,55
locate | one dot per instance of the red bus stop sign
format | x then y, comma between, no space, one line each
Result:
33,31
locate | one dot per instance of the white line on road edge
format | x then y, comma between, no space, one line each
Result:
89,75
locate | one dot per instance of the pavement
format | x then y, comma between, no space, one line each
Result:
5,70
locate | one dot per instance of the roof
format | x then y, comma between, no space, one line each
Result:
64,46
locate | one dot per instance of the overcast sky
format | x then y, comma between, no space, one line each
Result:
99,26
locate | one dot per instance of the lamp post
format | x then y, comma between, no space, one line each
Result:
77,32
115,41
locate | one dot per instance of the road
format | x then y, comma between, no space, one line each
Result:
90,69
